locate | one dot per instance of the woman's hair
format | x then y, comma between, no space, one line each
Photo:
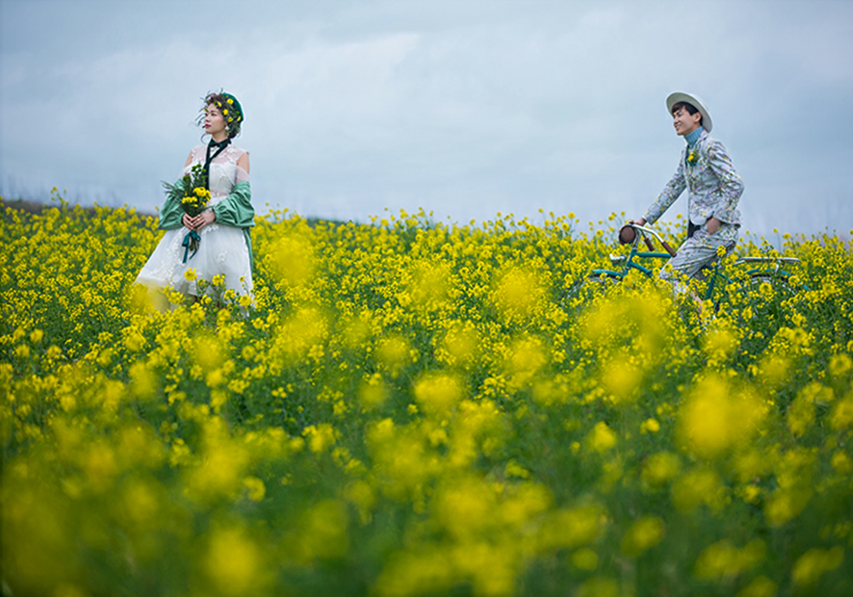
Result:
691,109
231,110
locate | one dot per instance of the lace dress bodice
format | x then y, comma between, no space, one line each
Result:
224,171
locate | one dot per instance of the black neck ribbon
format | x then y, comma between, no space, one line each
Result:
221,145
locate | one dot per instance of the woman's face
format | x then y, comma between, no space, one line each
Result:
214,122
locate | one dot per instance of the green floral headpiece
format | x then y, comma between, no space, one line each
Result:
231,110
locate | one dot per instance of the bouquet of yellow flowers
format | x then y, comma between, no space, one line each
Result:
192,193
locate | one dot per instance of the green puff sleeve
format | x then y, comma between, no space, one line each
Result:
172,213
236,210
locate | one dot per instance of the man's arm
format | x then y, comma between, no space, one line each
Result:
667,197
731,184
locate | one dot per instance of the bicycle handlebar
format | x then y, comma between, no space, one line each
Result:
648,231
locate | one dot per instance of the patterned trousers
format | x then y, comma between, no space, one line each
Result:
700,250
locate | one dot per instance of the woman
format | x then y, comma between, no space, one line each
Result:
223,246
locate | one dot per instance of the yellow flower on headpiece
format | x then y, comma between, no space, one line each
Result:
230,119
230,101
225,111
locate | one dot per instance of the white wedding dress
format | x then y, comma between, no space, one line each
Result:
222,250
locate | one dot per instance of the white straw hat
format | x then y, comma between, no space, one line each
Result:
695,101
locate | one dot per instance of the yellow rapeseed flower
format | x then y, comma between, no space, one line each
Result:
438,394
723,560
660,468
815,563
320,437
716,417
601,438
234,563
644,533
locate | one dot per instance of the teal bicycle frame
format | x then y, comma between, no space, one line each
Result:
770,268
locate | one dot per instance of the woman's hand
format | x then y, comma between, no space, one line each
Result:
200,221
203,219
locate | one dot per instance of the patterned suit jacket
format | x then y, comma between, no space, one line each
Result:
714,186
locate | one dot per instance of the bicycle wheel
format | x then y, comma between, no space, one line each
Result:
762,296
770,287
587,288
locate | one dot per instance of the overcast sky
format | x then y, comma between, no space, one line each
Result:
466,108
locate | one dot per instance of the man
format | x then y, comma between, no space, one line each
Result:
714,186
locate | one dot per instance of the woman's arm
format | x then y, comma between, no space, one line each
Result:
171,216
236,209
243,162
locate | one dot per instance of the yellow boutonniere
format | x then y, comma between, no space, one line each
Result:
693,157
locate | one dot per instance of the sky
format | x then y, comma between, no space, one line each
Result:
465,108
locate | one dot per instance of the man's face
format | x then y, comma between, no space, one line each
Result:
685,122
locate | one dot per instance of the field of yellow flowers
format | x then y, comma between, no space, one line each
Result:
409,408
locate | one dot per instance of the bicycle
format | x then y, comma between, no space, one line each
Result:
767,271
